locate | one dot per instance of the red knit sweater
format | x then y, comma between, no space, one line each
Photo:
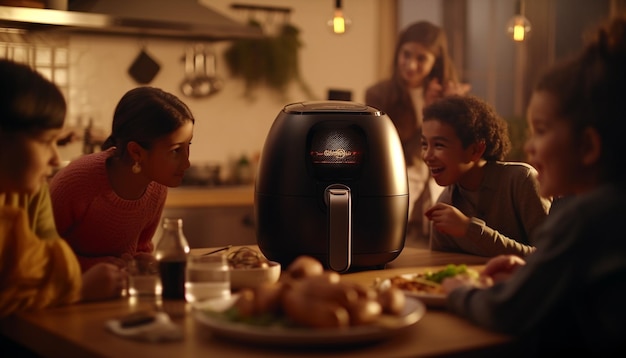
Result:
95,221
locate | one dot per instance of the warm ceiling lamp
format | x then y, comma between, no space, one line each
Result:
518,26
339,24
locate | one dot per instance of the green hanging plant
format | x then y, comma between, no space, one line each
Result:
269,60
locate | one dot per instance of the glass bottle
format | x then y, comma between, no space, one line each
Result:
171,253
88,142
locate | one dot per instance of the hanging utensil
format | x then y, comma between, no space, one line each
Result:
202,84
200,80
210,67
195,84
187,85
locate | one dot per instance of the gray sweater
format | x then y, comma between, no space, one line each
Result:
506,209
571,294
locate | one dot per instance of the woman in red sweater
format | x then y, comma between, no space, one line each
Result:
108,204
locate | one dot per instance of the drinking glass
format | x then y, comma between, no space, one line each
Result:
143,279
207,277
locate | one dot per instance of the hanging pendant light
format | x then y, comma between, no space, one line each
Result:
339,24
518,26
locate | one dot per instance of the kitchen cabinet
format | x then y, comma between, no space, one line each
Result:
209,226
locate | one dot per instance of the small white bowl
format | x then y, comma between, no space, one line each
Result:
252,277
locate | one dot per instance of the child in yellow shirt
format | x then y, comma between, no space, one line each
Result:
37,268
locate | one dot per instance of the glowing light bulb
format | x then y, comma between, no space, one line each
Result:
518,28
339,24
518,32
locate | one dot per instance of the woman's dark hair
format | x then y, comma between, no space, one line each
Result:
473,121
143,115
28,101
434,39
589,89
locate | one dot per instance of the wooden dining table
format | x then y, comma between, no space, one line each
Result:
78,330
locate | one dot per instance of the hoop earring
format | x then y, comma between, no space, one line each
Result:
136,169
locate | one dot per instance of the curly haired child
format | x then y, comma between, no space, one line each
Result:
488,206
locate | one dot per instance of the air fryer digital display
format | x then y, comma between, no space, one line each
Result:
336,152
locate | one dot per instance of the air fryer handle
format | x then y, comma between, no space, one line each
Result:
339,201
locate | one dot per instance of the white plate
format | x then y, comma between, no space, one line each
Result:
385,327
434,300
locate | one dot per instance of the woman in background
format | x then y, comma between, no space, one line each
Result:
568,296
37,267
108,205
422,72
488,207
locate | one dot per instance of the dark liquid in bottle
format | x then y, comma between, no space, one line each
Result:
172,279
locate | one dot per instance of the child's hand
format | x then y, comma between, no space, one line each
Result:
502,267
448,220
103,281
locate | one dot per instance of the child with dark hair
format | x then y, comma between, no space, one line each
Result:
568,296
488,207
108,205
37,267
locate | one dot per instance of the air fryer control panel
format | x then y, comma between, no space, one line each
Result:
335,150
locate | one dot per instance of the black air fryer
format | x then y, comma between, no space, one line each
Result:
332,184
